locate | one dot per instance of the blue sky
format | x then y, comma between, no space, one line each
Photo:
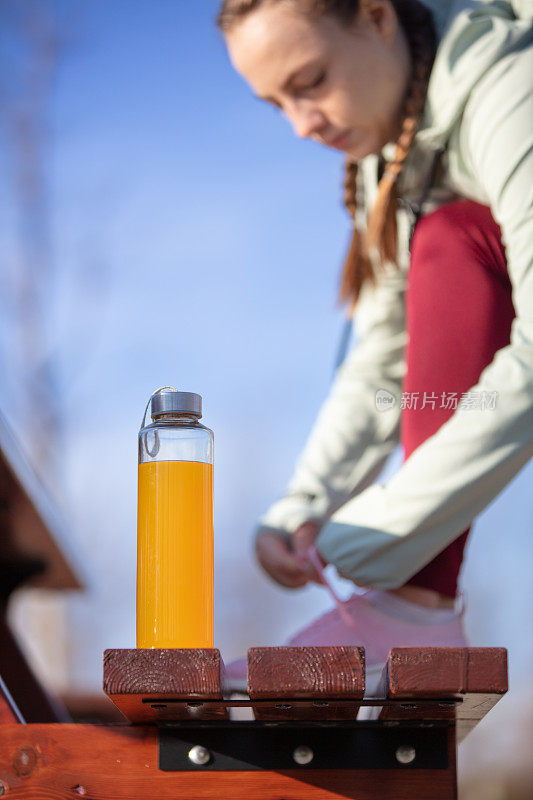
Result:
198,243
169,171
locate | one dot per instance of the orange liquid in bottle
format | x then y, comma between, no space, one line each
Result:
175,568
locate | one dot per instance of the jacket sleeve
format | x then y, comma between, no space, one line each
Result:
389,532
351,439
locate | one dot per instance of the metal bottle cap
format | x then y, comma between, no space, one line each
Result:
171,401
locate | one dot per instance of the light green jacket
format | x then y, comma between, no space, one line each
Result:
480,105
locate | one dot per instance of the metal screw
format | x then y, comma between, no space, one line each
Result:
195,709
405,754
303,754
199,755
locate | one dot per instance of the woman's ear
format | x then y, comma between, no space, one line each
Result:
380,17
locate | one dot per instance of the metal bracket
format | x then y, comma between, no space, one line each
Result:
235,746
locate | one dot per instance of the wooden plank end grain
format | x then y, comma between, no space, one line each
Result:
318,673
180,671
133,676
446,671
477,677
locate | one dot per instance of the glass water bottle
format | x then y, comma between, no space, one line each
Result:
175,564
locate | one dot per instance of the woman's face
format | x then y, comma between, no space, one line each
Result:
341,85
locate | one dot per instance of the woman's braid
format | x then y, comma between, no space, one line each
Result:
357,265
381,234
350,187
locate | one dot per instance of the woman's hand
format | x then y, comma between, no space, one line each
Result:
276,558
289,567
302,539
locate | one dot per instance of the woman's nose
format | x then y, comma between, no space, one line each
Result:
307,120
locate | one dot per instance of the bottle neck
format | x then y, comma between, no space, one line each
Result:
176,419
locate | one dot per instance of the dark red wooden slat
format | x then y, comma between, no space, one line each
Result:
441,671
131,676
317,673
475,675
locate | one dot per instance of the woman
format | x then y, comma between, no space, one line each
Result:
433,105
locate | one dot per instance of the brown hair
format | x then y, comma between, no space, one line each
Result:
381,233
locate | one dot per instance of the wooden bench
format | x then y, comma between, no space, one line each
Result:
306,736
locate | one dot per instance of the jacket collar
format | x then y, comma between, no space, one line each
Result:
472,36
